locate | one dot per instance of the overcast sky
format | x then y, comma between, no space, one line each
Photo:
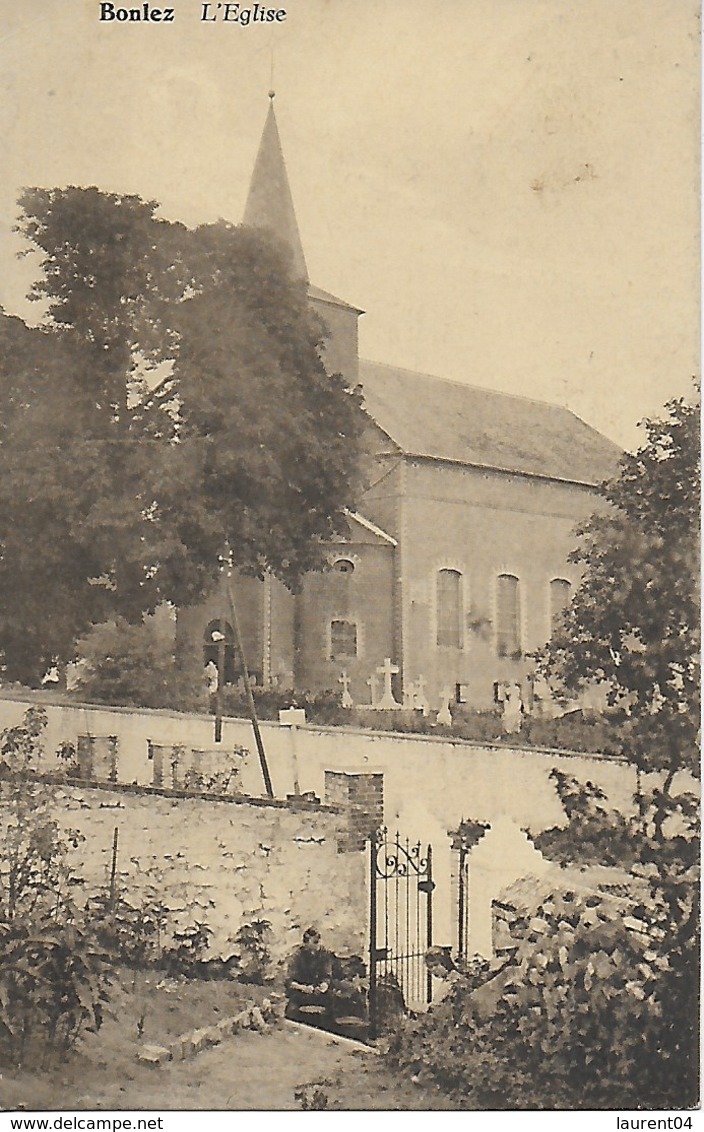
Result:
509,188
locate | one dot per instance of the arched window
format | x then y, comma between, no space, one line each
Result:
219,635
560,597
449,609
508,616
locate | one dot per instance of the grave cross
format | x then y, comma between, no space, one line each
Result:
344,679
387,670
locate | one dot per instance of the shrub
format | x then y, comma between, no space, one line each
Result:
253,957
128,933
134,665
320,707
185,955
53,974
53,987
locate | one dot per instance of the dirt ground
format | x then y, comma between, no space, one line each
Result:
245,1072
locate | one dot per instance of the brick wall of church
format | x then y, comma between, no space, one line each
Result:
362,598
481,525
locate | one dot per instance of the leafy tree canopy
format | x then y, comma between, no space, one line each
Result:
174,400
633,623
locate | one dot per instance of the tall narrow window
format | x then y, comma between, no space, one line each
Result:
508,616
560,596
343,639
449,605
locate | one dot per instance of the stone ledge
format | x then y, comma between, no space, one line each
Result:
299,805
254,1017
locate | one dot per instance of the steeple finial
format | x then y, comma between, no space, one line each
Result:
269,203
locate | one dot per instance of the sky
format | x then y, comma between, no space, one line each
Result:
508,188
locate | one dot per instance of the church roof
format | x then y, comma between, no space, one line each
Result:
446,420
269,203
327,297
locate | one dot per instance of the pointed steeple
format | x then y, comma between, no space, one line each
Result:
269,203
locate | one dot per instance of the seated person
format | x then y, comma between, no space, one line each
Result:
309,978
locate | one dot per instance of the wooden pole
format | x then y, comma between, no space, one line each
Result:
221,681
248,692
113,869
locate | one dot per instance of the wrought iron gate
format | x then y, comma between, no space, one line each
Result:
400,921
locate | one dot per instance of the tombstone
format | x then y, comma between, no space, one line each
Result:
292,716
444,716
387,701
420,700
408,693
97,757
344,679
512,716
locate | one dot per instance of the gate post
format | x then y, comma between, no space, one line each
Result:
461,898
429,922
372,936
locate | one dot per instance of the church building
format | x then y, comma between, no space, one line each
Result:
456,565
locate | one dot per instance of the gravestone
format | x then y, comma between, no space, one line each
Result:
387,701
344,679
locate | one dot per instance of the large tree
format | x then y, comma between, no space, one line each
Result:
117,495
634,622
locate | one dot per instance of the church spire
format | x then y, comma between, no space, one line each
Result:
269,203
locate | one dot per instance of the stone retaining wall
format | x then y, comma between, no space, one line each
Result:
223,862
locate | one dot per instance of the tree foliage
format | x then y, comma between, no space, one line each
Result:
175,399
633,623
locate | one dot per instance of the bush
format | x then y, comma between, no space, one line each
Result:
129,934
252,954
53,987
320,707
134,665
53,973
594,1010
